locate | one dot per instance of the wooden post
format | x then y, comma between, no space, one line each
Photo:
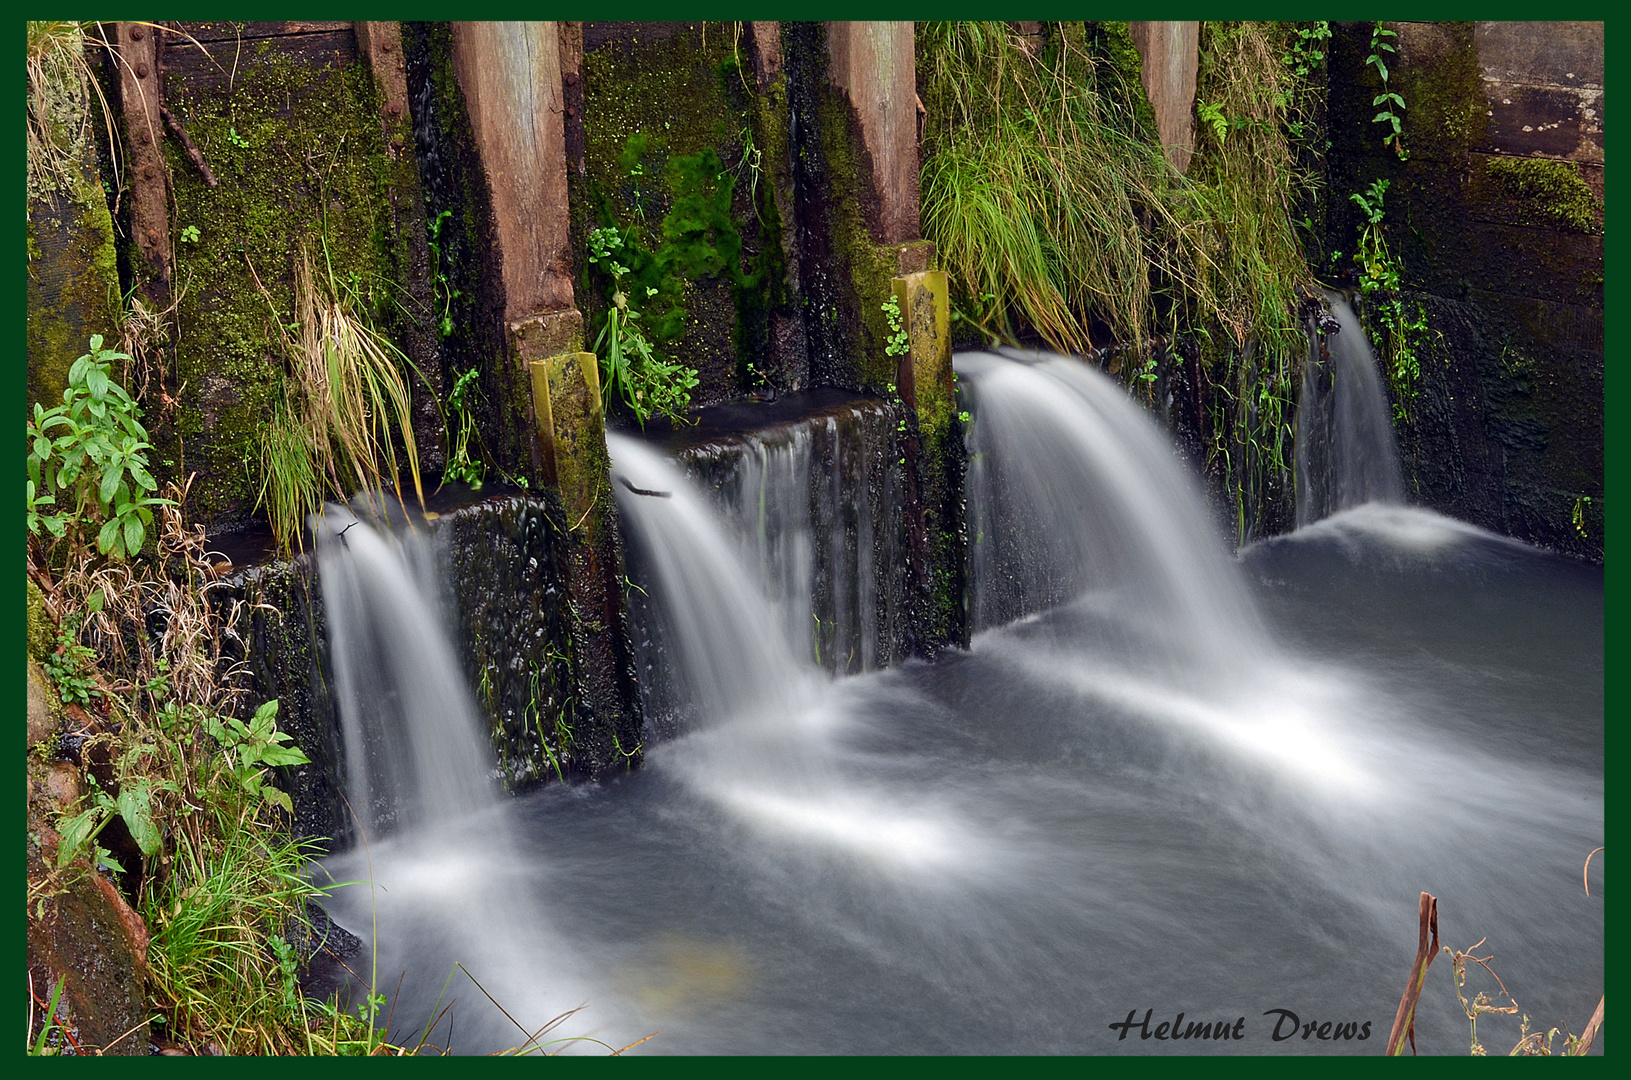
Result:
511,75
874,64
1171,55
139,101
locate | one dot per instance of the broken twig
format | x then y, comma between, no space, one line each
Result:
191,147
1404,1023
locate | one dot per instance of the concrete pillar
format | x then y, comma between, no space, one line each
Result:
511,78
934,460
875,65
1171,54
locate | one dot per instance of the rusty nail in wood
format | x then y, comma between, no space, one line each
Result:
137,33
394,108
385,46
147,172
152,236
141,71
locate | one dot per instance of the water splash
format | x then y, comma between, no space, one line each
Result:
813,507
1346,451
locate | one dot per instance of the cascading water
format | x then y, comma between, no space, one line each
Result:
731,650
1346,451
814,508
1073,492
762,729
1180,782
415,749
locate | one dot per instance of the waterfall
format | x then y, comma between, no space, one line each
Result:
813,508
1074,494
1346,451
713,643
415,749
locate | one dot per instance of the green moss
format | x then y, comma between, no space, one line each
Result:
1121,77
1551,191
73,281
868,269
42,632
668,127
299,157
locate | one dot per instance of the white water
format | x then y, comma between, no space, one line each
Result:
435,878
813,508
416,751
1133,796
1346,451
1074,495
765,743
727,636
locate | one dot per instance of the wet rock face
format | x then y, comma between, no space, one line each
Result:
90,940
505,578
1497,216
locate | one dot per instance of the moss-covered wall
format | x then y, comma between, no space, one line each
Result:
683,153
73,284
844,272
1503,252
291,131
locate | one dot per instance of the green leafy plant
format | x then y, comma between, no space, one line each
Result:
70,667
444,292
630,368
898,343
88,460
1306,51
1387,99
1211,113
1578,515
460,466
1404,328
249,749
190,234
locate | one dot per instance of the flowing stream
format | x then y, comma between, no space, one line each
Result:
1164,778
1346,451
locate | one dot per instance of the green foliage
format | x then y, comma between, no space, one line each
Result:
1306,51
248,749
1403,328
70,666
190,234
1387,99
898,344
1209,113
442,288
88,460
1578,515
460,466
345,405
49,1025
630,367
